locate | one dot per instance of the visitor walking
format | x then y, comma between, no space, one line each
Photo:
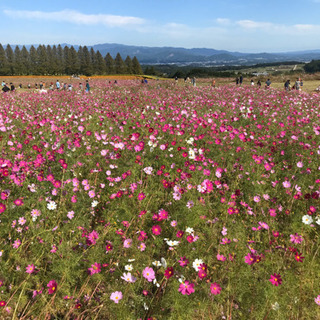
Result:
58,85
87,86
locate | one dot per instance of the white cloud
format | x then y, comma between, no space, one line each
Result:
77,17
223,21
249,24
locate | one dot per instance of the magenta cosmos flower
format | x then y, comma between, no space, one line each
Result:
275,279
215,288
156,230
148,273
95,268
2,207
116,296
30,268
52,286
186,288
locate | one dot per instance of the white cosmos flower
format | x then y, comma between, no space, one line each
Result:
196,264
172,243
51,205
189,230
128,277
128,267
307,219
94,203
156,263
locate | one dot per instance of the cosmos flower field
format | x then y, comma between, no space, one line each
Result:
160,201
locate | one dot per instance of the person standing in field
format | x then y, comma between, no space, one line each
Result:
297,84
87,86
301,84
287,85
268,83
241,80
58,85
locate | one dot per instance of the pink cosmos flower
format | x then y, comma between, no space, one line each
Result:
142,246
36,292
128,277
127,243
2,207
296,238
221,257
18,202
141,196
286,184
52,286
183,261
317,300
149,274
30,268
95,268
215,288
17,244
70,215
116,296
186,288
156,230
275,279
250,259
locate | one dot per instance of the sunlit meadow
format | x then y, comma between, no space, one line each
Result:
159,201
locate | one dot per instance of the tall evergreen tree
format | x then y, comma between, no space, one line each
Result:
25,61
110,65
136,68
4,66
43,63
17,61
100,64
86,67
61,61
129,65
33,60
51,58
10,59
74,61
120,66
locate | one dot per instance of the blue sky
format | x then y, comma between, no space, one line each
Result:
235,25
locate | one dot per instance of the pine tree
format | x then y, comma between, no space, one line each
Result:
129,65
100,64
33,60
110,64
17,61
43,63
4,66
25,61
74,61
10,59
61,61
136,68
119,64
86,67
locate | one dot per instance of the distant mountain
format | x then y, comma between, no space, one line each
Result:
197,56
202,56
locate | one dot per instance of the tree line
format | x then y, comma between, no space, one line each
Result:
312,67
55,60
